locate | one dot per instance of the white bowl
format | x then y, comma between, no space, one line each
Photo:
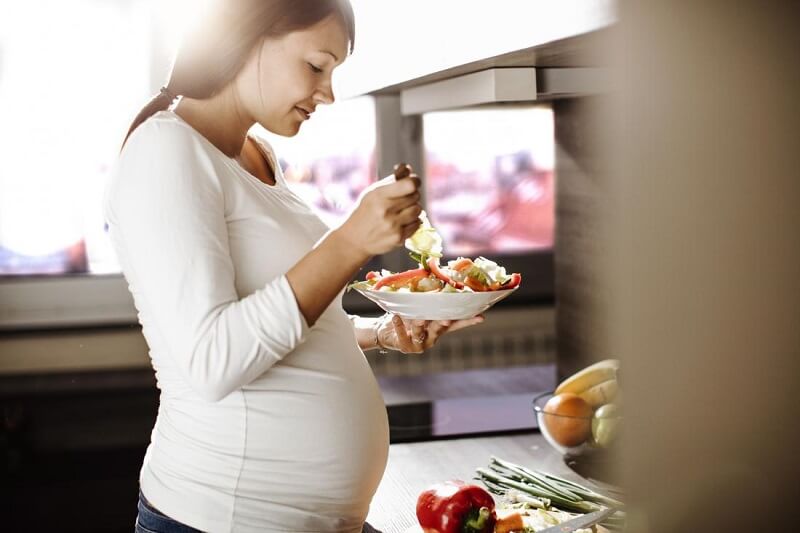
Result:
436,305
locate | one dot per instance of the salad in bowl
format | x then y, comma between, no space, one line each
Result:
461,288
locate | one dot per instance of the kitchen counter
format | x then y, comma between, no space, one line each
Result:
412,467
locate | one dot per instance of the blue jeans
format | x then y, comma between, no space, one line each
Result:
151,520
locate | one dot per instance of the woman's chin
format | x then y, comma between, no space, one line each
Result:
284,130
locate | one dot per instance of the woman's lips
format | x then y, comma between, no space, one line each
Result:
305,115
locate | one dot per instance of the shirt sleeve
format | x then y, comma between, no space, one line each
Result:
165,207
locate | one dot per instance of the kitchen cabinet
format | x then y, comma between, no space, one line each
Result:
419,41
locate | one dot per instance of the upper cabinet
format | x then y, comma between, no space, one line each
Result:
414,42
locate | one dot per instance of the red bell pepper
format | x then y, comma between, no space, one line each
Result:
456,507
433,264
400,278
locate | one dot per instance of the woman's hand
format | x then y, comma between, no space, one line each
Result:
386,214
416,336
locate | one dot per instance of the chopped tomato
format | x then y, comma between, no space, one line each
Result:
372,274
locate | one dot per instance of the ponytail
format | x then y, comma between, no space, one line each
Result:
160,102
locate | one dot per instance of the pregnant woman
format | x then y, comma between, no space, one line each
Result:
270,418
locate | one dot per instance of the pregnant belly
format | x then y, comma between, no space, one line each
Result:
317,435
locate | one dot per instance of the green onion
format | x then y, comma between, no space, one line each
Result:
493,487
587,493
581,506
504,477
532,477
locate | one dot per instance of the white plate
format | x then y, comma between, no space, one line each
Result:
436,305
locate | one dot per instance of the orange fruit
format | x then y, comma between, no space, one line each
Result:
568,418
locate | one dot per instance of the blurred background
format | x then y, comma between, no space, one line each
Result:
644,187
73,74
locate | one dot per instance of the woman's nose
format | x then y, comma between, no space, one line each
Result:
324,94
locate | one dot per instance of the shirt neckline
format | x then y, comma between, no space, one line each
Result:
261,146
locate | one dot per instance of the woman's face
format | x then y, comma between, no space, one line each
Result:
287,77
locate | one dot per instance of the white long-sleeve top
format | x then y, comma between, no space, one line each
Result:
264,424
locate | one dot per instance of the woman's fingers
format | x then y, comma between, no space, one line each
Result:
401,205
403,338
409,229
409,215
411,334
461,324
415,336
419,331
402,188
437,328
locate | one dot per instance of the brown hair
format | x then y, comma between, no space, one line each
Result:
214,51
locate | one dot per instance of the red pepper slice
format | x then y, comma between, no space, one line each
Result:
372,274
433,264
515,280
400,278
456,507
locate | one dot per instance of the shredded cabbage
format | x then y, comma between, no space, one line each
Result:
492,270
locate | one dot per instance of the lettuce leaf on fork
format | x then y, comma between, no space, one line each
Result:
425,242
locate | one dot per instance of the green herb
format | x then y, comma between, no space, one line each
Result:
505,478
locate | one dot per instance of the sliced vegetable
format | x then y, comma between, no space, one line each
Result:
475,284
433,264
512,282
430,284
401,278
509,480
460,275
491,270
461,264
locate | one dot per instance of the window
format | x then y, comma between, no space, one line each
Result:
63,78
490,181
490,189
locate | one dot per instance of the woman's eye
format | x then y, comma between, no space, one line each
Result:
315,68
